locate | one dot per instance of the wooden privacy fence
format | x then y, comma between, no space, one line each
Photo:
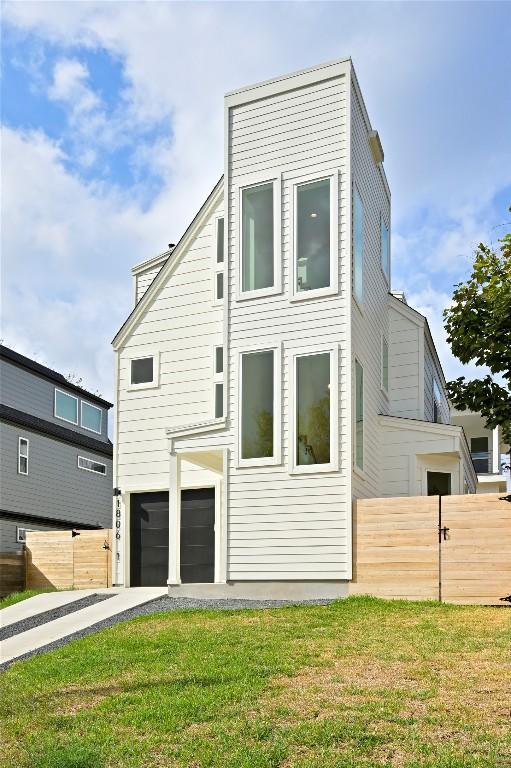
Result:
454,548
61,559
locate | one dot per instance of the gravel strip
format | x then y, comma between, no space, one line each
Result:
158,605
54,613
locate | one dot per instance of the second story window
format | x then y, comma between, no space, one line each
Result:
358,247
437,402
218,382
313,235
23,456
142,371
257,407
218,287
91,417
91,465
66,406
313,377
257,238
385,249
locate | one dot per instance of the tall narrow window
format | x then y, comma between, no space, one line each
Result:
66,406
384,364
218,287
218,382
313,378
359,415
358,247
437,403
385,248
313,235
257,405
220,241
257,238
23,456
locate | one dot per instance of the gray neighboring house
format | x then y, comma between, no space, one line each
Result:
55,454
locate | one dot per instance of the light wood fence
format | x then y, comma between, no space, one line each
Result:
400,548
12,572
59,559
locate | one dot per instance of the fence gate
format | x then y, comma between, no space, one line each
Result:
453,548
64,559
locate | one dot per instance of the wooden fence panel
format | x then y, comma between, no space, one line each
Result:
59,559
12,572
91,560
476,555
395,548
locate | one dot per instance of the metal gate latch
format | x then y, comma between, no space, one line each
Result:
443,531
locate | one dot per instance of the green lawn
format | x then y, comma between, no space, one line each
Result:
17,597
361,682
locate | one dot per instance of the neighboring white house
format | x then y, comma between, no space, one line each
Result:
267,376
489,452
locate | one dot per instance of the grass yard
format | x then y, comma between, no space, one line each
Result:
17,597
361,682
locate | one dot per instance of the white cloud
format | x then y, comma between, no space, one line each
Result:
70,86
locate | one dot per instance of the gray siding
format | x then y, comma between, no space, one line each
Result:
30,393
54,486
8,533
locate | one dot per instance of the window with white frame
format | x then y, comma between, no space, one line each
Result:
91,465
23,456
257,238
218,381
313,413
385,248
437,402
358,247
219,260
359,415
313,235
66,406
257,405
91,417
21,534
142,371
384,364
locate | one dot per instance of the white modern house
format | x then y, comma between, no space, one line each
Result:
267,376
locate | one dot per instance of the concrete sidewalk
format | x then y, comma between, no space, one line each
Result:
26,642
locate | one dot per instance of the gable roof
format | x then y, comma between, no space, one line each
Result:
48,373
171,263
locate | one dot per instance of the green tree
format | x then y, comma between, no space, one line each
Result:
478,326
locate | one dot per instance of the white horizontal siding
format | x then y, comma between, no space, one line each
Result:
404,368
144,279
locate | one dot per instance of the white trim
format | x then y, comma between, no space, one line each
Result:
63,392
86,469
156,372
195,429
89,429
23,456
276,459
333,464
248,182
360,470
333,288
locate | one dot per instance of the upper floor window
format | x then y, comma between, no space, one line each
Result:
220,241
218,288
437,402
313,251
142,370
313,377
257,407
359,415
218,378
66,406
385,248
384,364
91,465
257,238
23,456
91,417
358,247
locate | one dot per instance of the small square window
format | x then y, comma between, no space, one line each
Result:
21,534
142,371
91,417
66,406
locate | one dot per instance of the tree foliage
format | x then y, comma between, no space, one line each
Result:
478,325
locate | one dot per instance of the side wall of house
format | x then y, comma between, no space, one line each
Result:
182,326
432,372
404,367
370,320
284,525
144,279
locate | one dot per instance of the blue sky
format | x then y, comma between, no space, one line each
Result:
112,137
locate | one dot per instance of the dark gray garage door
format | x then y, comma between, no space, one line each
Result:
198,535
149,541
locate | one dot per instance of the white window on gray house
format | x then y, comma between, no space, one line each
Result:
358,247
385,248
437,402
142,371
91,417
219,260
359,415
257,405
218,379
257,238
313,227
91,465
313,378
66,406
384,364
22,456
21,534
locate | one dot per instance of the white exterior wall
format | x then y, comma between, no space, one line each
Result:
143,280
370,320
405,349
432,371
284,526
182,324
